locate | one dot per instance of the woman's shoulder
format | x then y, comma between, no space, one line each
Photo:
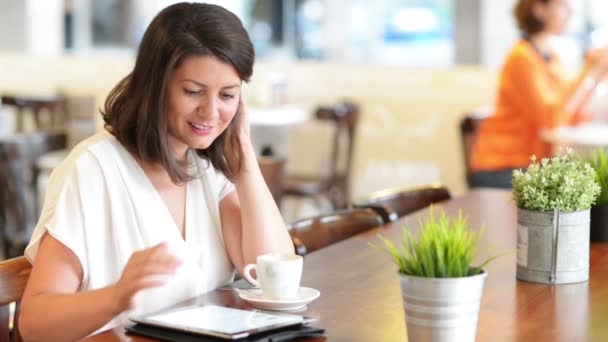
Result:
88,154
522,59
522,50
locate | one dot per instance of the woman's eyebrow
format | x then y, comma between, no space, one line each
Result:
204,85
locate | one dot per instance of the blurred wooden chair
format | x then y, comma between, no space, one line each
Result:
53,107
273,171
18,185
393,203
334,186
469,126
14,274
314,233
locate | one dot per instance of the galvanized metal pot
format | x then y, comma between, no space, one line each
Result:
442,309
553,247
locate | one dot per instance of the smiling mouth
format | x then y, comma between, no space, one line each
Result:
198,128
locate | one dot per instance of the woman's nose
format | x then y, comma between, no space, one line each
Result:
209,108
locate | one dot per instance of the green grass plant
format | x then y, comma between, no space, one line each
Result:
444,248
599,162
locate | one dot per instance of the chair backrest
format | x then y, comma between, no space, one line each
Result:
345,115
394,203
273,171
14,274
18,188
469,126
321,231
53,106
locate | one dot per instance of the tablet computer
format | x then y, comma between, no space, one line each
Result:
219,321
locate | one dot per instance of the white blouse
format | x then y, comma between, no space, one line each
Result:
101,205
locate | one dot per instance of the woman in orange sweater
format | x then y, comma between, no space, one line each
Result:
534,94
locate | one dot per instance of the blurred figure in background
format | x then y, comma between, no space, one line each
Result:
534,94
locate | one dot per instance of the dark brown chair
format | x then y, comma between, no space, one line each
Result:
273,171
334,186
391,204
469,126
14,274
314,233
18,189
53,106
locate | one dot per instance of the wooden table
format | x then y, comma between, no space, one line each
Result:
361,300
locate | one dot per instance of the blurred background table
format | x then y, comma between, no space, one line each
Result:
270,127
582,138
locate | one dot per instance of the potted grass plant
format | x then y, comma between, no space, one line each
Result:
554,197
441,289
599,211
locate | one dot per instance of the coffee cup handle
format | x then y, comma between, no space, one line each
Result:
247,274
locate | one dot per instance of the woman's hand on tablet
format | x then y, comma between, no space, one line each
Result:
145,269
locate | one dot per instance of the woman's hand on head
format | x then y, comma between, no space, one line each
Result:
243,129
145,269
597,60
238,142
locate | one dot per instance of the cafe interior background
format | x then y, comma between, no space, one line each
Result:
415,68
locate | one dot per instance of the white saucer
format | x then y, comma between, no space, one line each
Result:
256,298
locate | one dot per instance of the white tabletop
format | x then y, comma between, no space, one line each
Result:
287,115
594,134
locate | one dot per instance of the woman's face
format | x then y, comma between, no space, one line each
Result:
555,14
203,98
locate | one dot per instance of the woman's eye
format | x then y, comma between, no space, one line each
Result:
192,92
228,96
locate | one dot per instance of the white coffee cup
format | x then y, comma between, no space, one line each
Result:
278,275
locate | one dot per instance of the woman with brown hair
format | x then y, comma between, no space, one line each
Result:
534,94
169,200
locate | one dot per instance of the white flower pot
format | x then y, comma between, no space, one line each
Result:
442,309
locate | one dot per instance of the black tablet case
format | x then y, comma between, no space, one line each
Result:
279,335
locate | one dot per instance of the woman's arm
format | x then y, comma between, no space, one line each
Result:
547,106
53,310
583,87
251,222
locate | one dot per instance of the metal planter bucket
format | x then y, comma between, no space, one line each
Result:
442,309
553,247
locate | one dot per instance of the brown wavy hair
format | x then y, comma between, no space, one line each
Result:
135,111
527,22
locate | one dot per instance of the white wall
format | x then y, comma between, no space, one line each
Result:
498,31
32,26
12,26
44,27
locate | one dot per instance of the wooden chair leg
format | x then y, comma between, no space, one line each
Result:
4,319
337,197
16,336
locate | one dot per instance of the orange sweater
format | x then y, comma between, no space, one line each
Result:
530,98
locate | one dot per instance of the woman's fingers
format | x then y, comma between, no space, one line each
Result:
153,261
168,267
148,268
244,130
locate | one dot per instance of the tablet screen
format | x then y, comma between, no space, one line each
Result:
220,321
